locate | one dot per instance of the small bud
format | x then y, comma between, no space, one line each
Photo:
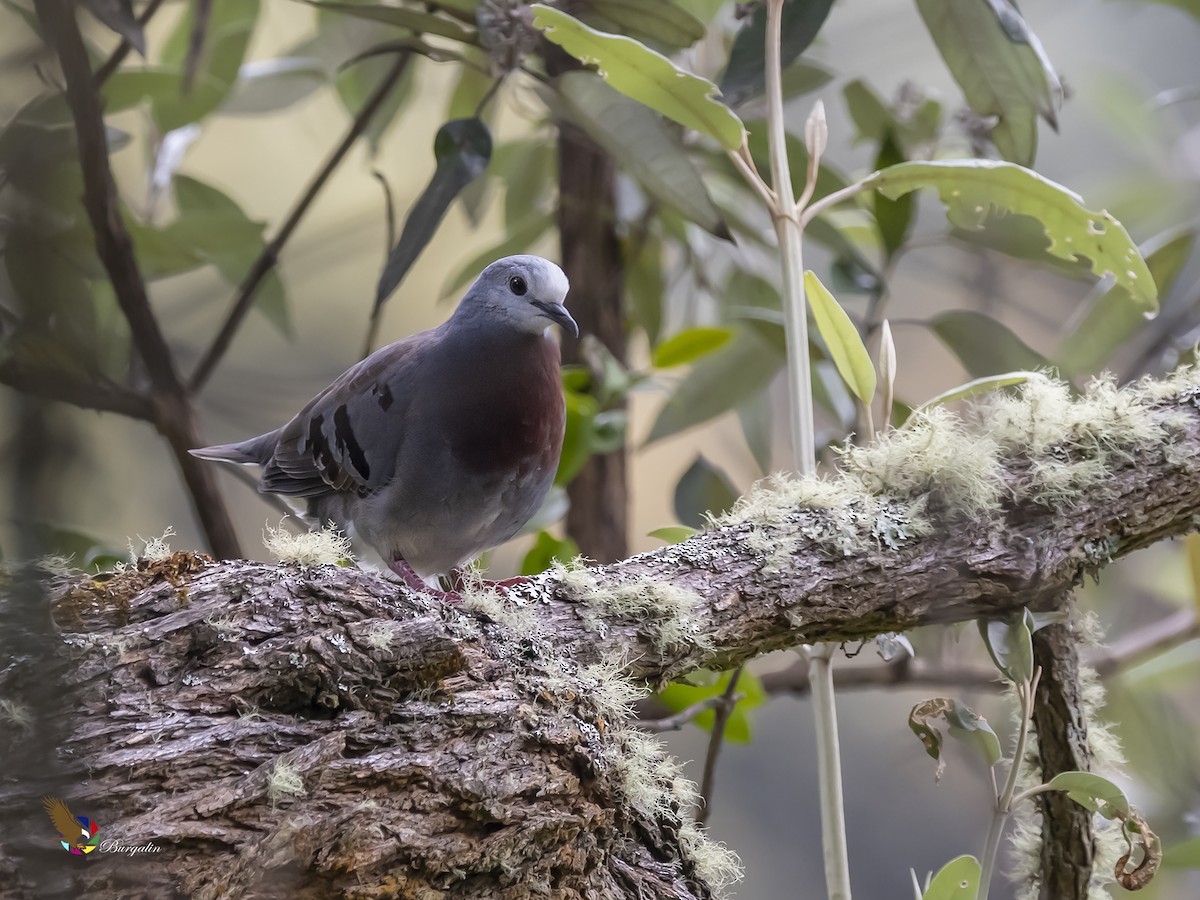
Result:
816,131
887,369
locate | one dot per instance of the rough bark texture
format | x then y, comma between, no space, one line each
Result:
1068,848
282,731
591,257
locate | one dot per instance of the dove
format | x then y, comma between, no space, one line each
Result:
439,446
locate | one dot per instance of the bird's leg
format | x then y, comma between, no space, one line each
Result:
400,566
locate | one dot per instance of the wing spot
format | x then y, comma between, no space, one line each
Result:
383,396
347,443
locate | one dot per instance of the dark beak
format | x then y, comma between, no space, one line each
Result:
557,313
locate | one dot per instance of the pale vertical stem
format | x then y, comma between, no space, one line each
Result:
829,768
791,258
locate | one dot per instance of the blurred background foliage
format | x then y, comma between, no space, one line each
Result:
224,123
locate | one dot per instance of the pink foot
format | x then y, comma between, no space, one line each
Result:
401,567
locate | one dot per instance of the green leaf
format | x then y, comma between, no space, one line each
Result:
717,384
546,550
1092,792
644,282
678,696
892,217
845,345
871,116
745,75
227,35
126,88
673,534
703,489
1113,317
658,22
1000,66
1009,643
983,345
402,17
462,148
582,410
213,227
755,415
269,85
528,170
962,723
958,879
57,325
470,89
978,386
644,146
648,77
689,345
971,189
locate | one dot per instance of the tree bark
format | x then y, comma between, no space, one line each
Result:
281,731
591,257
1068,849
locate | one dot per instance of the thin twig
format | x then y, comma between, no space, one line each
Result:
676,721
99,394
390,213
270,254
1131,650
113,63
173,413
721,718
191,63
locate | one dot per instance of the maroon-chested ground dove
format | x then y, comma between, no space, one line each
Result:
439,446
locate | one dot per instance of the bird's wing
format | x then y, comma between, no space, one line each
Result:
349,435
62,817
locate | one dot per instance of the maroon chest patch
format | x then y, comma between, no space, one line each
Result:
514,420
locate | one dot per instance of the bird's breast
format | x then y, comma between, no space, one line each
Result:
509,415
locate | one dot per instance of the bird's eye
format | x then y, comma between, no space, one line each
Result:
517,285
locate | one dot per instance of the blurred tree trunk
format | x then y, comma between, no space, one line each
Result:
591,257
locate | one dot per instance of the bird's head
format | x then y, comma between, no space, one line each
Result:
527,292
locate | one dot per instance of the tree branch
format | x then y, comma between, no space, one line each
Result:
263,722
270,253
172,410
55,384
1059,717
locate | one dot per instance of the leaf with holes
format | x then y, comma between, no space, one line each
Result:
956,880
973,188
648,77
1111,318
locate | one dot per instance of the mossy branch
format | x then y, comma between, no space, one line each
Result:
190,688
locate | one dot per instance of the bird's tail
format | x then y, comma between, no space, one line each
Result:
255,451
